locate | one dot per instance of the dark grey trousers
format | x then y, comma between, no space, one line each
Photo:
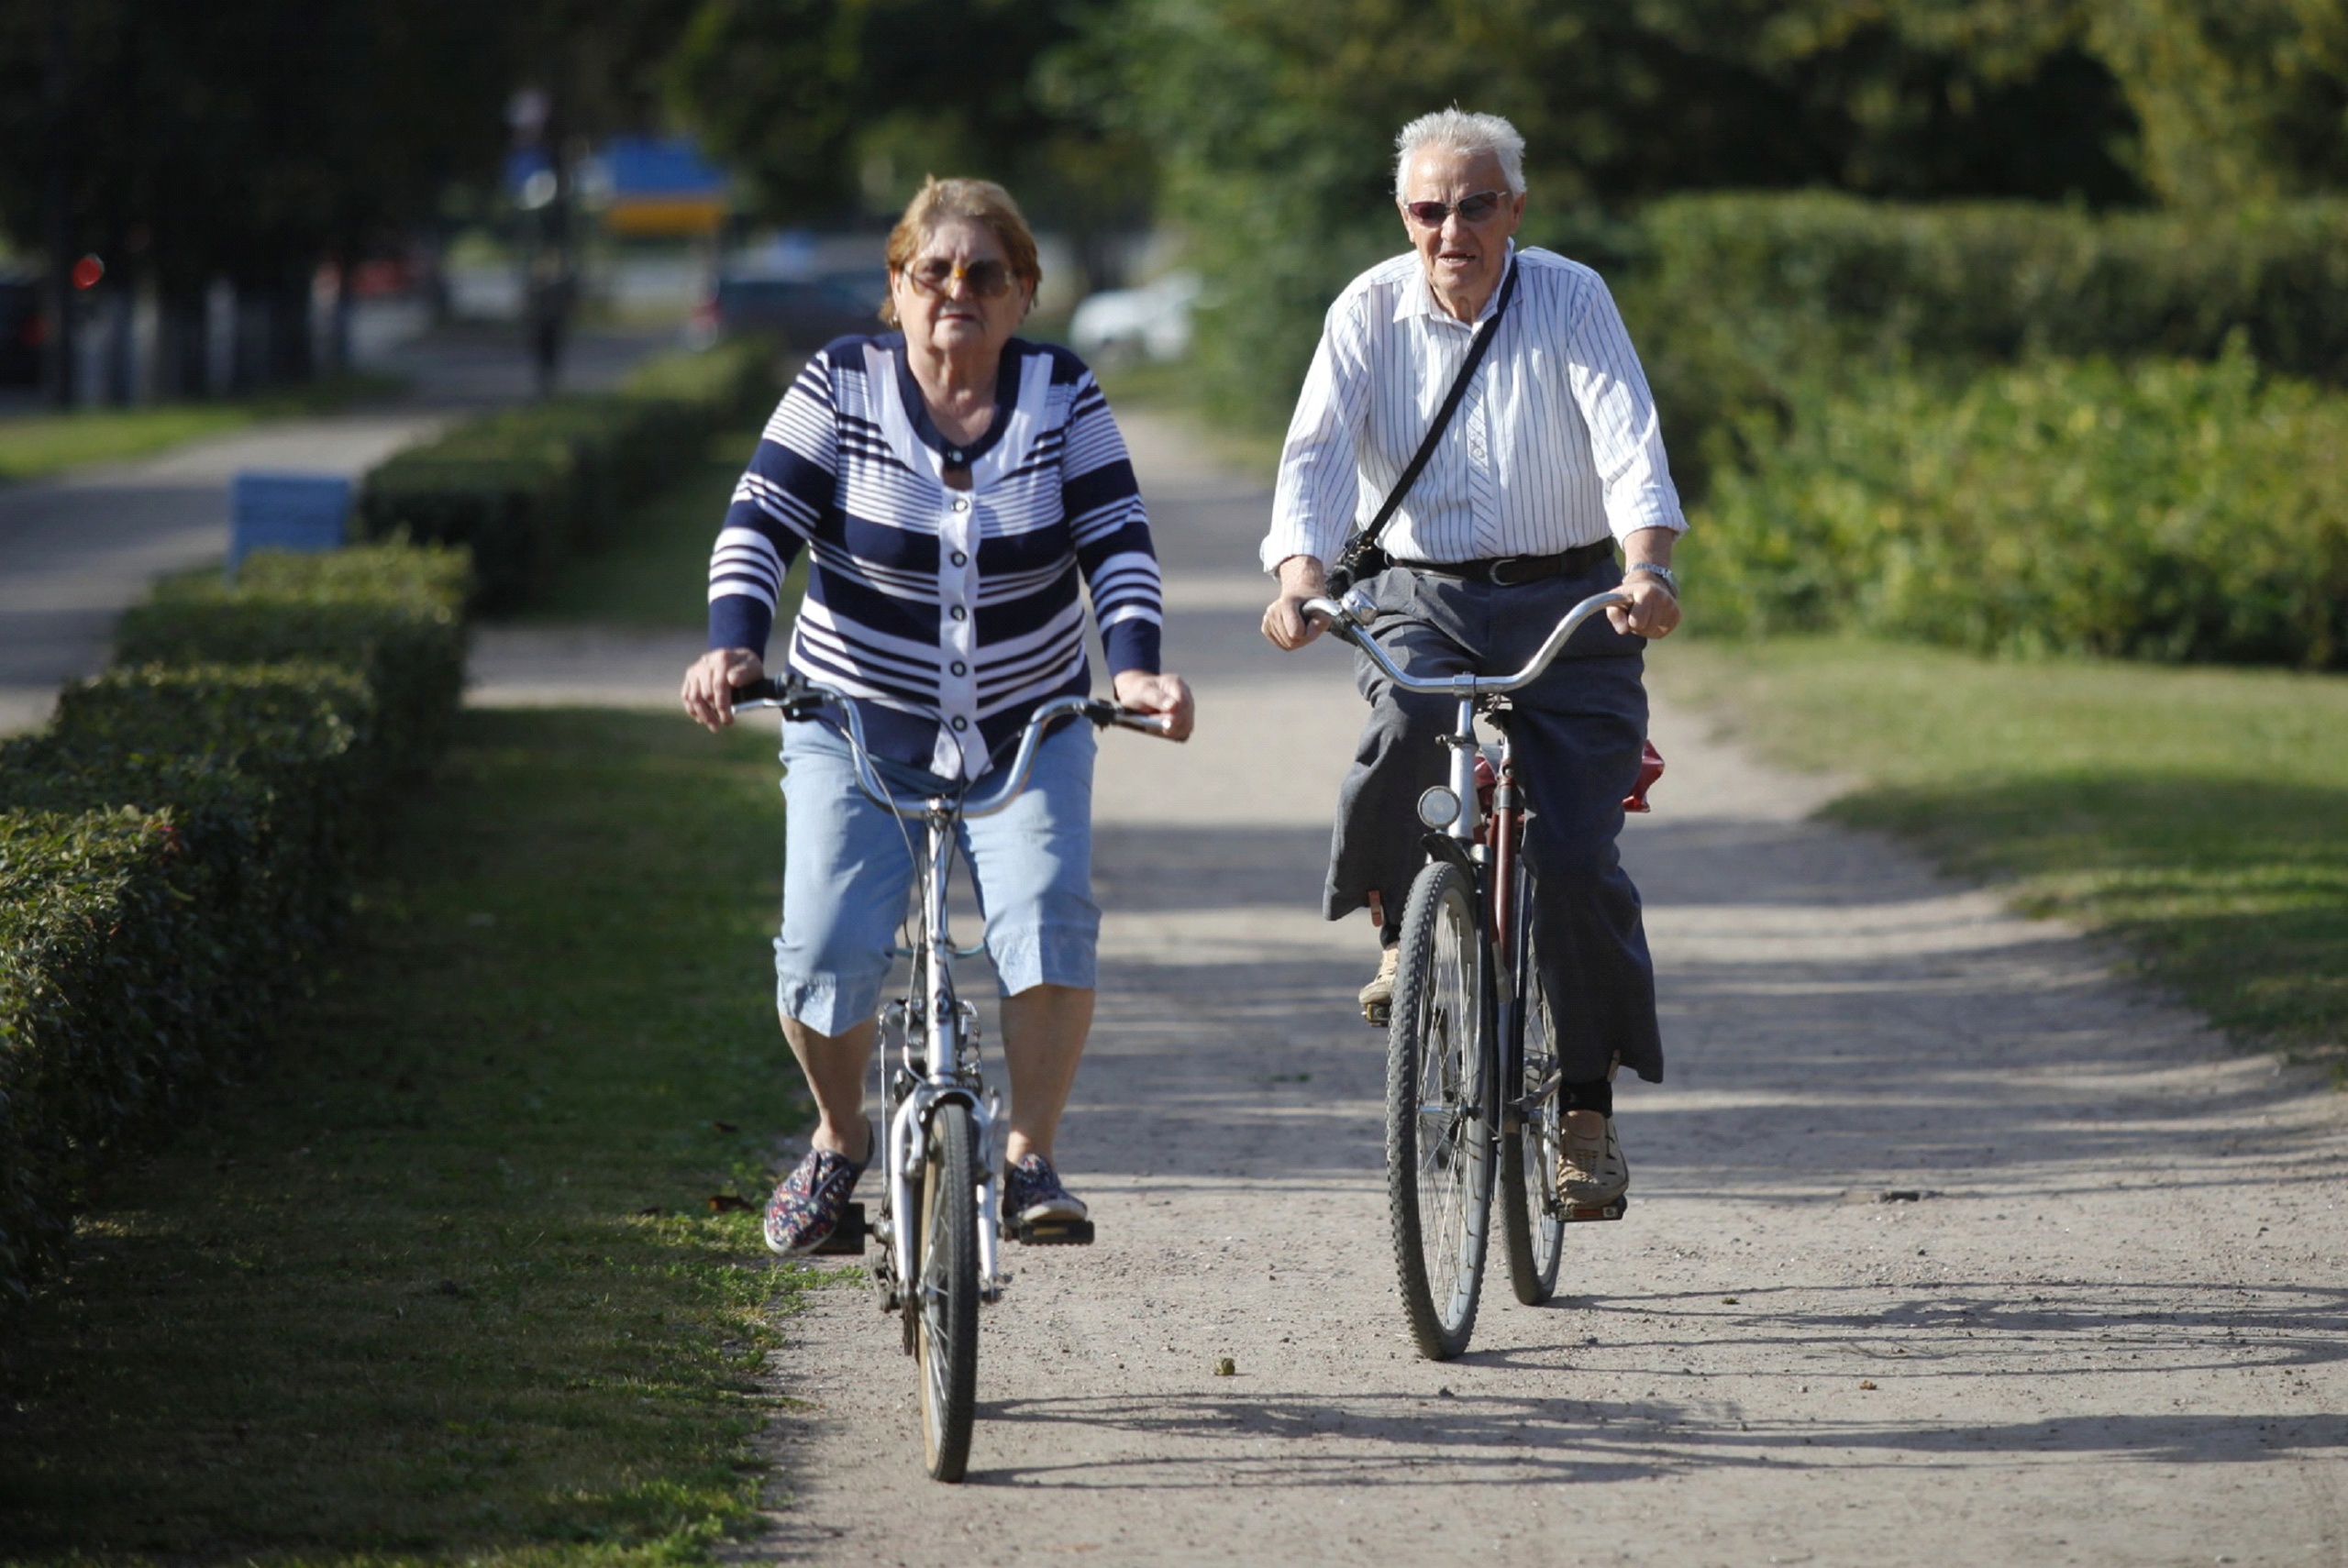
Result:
1577,732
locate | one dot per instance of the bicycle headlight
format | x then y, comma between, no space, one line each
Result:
1439,807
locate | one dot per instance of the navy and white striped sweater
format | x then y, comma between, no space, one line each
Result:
950,614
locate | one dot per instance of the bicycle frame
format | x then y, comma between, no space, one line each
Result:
937,1042
1485,848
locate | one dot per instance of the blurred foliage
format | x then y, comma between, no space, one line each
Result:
1272,120
1740,303
840,107
246,140
2172,511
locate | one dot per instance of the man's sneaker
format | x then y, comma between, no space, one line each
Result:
1031,1192
807,1206
1591,1172
1378,997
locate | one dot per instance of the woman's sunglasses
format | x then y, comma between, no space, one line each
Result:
987,279
1471,209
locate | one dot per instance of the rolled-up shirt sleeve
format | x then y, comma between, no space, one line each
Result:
1319,489
1626,434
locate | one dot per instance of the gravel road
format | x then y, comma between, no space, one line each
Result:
2104,1326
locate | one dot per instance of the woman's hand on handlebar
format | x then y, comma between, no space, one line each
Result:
1301,578
1652,612
1166,694
708,693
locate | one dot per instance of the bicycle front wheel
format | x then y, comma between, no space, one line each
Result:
1531,1216
945,1296
1438,1132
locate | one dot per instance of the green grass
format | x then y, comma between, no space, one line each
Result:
2200,814
444,1283
33,445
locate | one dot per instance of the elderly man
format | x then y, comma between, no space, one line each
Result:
1551,459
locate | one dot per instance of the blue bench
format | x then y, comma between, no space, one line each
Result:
286,512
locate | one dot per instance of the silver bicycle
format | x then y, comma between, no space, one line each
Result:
940,1226
1471,1064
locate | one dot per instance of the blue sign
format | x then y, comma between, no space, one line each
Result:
307,512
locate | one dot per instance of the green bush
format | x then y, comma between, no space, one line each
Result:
1823,282
393,612
525,487
103,975
2174,510
179,844
1749,302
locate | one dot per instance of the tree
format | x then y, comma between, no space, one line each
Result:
836,108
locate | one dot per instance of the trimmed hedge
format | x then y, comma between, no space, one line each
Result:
524,488
2171,510
1747,302
102,1009
1827,281
179,844
391,612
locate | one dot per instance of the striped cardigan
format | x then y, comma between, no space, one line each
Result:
949,614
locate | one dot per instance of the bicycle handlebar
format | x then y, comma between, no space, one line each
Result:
1348,621
799,699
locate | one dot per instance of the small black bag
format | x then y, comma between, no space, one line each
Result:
1362,555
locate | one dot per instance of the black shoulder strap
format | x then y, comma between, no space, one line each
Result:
1359,546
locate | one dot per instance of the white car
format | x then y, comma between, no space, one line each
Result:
1152,322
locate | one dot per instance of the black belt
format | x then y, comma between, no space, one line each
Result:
1505,571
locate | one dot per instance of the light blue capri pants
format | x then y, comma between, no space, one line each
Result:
850,866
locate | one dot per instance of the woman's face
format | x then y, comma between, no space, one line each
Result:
957,294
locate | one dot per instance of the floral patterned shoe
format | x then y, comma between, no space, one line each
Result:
807,1206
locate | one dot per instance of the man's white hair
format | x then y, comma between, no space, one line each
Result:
1459,132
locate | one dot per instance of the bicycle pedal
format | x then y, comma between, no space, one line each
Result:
1054,1232
1579,1213
847,1240
1378,1015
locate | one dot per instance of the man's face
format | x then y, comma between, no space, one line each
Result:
1463,258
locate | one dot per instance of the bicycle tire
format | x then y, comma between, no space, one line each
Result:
945,1297
1438,1127
1532,1220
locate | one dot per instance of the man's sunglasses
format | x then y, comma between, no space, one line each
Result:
1471,209
987,279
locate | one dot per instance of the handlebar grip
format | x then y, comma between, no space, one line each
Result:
767,689
1105,713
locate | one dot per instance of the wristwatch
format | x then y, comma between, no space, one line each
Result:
1655,569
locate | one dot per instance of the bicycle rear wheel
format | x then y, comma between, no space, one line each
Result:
1438,1134
945,1295
1531,1218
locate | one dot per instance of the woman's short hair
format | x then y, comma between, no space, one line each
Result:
1462,132
980,201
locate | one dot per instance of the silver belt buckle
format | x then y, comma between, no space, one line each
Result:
1501,573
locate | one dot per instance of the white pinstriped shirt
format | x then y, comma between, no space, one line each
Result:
1555,445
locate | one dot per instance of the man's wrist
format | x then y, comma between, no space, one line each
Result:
1658,570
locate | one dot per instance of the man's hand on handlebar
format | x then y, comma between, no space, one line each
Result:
1166,694
1301,578
1653,611
708,693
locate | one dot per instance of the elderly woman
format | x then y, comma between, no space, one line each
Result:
952,483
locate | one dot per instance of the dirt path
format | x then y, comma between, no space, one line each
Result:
2111,1330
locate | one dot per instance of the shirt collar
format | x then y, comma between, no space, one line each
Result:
1421,301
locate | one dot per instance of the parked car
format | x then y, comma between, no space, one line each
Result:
1152,322
804,310
20,333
